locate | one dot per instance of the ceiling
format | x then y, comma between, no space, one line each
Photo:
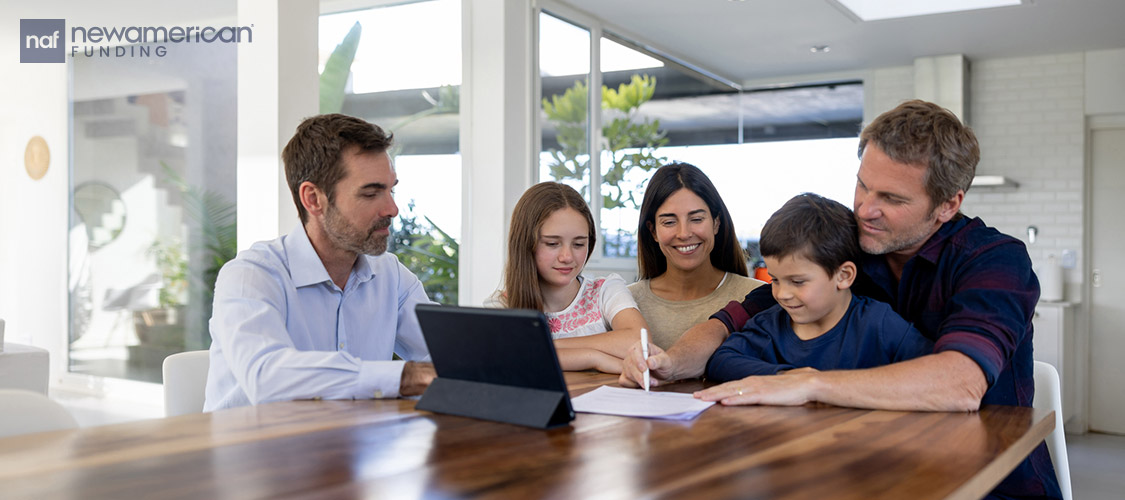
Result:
762,40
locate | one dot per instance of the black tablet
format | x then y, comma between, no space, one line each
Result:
494,364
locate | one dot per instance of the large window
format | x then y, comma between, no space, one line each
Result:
760,147
153,205
793,140
564,70
406,77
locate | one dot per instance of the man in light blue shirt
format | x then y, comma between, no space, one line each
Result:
319,312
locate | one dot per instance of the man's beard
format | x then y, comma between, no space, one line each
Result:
346,236
900,240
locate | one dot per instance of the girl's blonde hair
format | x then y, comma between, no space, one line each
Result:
521,276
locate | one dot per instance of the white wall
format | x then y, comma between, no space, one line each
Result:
885,88
496,136
33,233
277,89
1029,117
1105,82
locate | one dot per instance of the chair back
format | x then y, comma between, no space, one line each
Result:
26,412
1048,395
185,382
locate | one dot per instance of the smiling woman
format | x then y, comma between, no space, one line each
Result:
689,258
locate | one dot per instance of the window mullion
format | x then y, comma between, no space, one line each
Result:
595,123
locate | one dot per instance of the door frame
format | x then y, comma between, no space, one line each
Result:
1082,372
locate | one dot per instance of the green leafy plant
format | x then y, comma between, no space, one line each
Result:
215,216
630,142
421,246
334,78
430,252
448,100
173,265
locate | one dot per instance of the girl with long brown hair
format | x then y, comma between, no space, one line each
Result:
593,320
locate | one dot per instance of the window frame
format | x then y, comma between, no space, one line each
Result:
599,29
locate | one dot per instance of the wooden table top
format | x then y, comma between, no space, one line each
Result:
387,449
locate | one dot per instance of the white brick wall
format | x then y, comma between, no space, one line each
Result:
888,87
1028,116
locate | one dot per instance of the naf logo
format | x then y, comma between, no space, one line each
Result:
42,40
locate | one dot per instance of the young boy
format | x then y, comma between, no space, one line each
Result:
810,246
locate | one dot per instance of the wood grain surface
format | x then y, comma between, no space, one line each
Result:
387,449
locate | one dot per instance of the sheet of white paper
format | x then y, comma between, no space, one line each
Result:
638,403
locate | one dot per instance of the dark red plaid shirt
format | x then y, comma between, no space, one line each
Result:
970,289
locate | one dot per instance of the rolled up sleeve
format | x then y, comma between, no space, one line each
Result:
990,309
735,315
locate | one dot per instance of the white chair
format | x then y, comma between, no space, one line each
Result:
26,412
185,382
1048,396
24,367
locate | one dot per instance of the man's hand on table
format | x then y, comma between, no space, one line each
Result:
791,388
415,378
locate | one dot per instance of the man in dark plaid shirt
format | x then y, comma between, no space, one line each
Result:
964,285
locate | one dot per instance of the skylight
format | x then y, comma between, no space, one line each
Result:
874,10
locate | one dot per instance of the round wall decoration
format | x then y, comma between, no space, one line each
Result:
36,158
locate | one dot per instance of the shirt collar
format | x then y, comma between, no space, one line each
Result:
305,265
931,250
875,266
362,271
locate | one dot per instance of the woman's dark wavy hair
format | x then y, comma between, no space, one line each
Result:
726,255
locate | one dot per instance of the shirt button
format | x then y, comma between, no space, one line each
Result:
341,345
378,394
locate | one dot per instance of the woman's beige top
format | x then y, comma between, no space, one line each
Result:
668,320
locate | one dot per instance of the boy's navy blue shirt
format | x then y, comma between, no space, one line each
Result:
869,334
970,289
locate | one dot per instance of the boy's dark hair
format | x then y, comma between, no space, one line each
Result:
817,228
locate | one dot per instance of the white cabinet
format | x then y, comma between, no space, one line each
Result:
1053,344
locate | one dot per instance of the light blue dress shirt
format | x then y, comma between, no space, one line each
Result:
282,330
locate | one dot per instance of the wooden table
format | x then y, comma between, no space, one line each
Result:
387,449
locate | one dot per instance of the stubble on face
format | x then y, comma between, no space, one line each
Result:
348,237
895,222
892,241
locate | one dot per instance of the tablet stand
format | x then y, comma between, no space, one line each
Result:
525,406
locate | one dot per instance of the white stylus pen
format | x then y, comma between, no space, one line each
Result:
644,351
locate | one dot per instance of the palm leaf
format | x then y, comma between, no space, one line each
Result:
334,78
